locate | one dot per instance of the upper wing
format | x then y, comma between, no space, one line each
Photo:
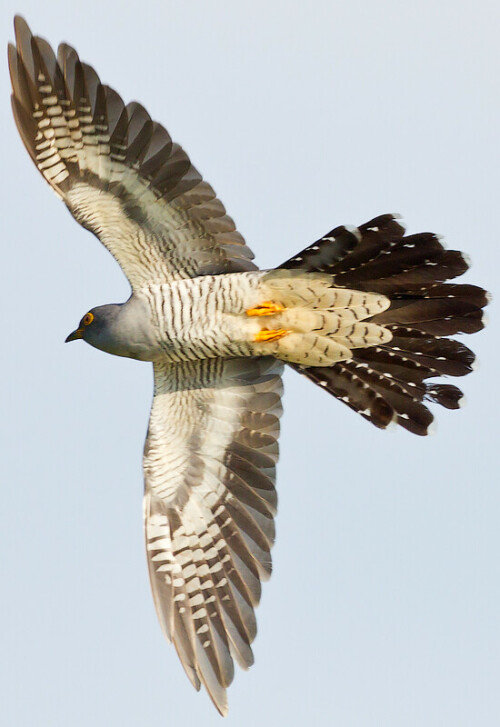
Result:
118,172
209,465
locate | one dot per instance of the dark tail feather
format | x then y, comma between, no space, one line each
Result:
386,383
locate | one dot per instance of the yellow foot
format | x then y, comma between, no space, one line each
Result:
267,308
269,335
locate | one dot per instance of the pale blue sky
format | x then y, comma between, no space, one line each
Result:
383,608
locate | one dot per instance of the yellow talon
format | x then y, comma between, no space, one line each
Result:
269,335
267,308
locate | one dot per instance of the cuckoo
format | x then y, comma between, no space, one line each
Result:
366,313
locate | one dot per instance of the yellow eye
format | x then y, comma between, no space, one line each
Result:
87,319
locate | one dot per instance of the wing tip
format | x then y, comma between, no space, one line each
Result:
20,25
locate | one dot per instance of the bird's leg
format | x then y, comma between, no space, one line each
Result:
266,334
267,308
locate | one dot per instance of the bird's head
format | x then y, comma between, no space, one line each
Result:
97,327
122,329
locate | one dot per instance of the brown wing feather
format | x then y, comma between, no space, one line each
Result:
119,172
210,501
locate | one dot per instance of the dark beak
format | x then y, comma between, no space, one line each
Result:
75,335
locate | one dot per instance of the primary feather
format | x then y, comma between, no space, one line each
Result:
119,173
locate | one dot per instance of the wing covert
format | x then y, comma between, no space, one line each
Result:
209,504
119,173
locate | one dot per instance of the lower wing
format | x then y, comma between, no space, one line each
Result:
210,499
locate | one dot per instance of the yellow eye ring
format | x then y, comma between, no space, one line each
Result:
87,319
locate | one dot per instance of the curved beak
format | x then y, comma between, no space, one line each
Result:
75,335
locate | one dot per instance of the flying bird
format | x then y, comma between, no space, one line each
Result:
365,313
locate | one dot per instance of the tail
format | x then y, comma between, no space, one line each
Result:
385,381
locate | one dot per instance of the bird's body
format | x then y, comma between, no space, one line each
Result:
222,315
365,313
202,317
183,320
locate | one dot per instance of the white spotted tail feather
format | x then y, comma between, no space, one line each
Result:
387,382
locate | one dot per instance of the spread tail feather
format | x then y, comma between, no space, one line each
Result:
387,382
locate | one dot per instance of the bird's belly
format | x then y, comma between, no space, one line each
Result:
201,318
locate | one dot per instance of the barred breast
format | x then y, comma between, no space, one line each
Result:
202,317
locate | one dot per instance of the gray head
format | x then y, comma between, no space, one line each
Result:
122,329
96,327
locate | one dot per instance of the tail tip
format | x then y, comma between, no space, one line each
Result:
432,429
467,259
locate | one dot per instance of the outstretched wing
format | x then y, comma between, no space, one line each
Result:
209,467
118,172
